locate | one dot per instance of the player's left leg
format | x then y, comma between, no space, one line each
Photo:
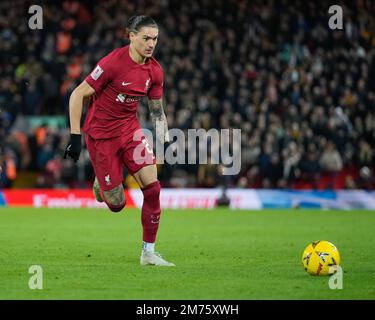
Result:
108,167
150,186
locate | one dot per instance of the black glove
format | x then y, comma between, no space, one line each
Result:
74,147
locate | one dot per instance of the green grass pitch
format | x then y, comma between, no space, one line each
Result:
220,254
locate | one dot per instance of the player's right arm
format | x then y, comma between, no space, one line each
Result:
94,82
76,100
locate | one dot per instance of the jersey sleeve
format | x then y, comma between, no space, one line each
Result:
156,90
102,73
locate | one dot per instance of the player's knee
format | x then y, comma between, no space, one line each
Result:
115,199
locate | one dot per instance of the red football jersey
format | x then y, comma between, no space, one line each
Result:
119,84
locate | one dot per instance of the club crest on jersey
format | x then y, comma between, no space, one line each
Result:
147,84
107,180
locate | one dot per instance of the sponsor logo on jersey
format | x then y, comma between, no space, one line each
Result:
122,97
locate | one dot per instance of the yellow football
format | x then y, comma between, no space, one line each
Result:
320,258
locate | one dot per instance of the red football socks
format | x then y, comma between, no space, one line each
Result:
151,211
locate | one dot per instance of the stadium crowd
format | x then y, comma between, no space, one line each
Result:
302,94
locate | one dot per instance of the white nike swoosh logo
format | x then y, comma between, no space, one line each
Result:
126,83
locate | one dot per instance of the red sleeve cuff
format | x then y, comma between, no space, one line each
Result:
154,97
92,83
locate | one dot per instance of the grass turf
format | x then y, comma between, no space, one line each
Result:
220,254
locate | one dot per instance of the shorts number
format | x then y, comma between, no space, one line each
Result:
148,148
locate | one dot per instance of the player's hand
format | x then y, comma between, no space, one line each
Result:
73,149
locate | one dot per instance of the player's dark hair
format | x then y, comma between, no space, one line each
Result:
135,23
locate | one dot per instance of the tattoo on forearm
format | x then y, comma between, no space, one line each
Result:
115,196
156,109
158,117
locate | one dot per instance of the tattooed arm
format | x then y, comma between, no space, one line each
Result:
159,119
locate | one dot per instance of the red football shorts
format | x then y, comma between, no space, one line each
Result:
109,156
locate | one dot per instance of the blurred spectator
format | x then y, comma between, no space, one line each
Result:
292,157
366,179
366,154
350,183
310,166
9,169
331,160
208,175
